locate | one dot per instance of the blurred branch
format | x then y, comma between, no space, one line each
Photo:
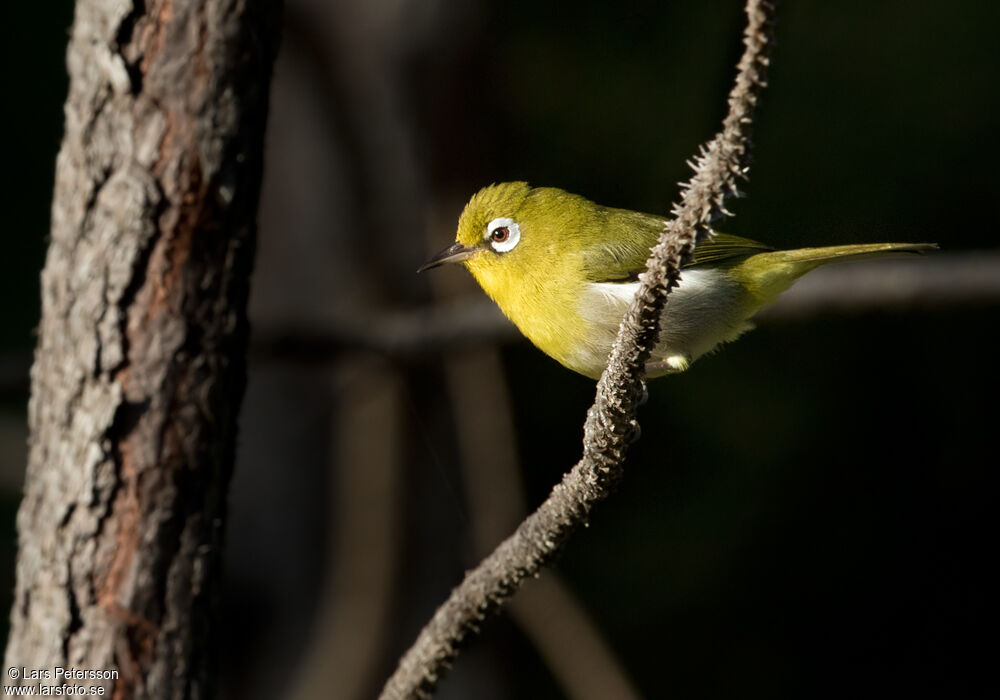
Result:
358,56
423,331
560,627
943,280
940,281
364,513
557,625
610,423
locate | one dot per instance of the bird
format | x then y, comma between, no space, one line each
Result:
564,270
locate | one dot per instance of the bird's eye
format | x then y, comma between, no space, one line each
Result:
502,234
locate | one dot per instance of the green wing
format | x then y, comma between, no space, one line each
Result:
724,247
620,255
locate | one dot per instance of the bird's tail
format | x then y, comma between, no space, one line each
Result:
768,274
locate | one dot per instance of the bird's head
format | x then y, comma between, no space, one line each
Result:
512,237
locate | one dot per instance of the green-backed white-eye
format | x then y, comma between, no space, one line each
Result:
565,270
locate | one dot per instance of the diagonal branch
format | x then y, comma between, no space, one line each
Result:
610,424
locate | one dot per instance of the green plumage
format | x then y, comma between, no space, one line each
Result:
564,270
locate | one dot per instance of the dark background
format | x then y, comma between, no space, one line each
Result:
807,512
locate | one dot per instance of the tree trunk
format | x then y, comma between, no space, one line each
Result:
140,367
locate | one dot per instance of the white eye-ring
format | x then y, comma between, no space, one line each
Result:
502,234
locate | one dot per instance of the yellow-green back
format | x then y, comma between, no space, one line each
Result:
566,252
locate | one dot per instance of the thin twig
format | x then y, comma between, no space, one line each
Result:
610,422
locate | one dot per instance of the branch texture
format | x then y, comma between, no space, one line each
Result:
140,364
610,424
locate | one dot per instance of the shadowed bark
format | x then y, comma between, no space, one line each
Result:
139,369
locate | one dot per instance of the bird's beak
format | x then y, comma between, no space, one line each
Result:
454,253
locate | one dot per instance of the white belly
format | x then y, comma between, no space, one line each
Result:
705,310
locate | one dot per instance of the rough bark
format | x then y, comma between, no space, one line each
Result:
140,365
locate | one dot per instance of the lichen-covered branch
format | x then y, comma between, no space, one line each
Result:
140,365
610,422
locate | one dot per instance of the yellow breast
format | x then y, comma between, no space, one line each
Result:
544,303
